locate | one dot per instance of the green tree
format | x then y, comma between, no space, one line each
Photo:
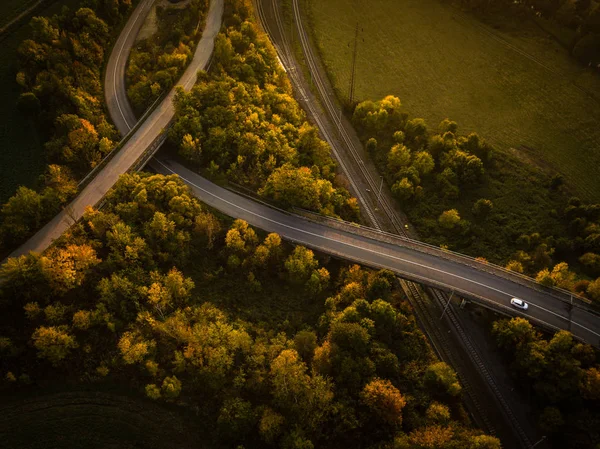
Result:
551,420
438,413
441,378
171,387
403,189
449,219
511,334
423,162
152,391
593,290
270,425
591,262
236,419
53,343
590,384
516,266
21,215
305,343
300,264
482,208
398,158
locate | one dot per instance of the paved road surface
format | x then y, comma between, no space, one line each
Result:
138,143
410,263
115,92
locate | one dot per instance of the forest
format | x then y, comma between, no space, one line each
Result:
157,62
60,77
241,121
306,352
560,375
438,177
582,17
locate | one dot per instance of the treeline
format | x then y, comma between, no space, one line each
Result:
157,62
581,16
560,375
242,121
114,300
60,75
438,176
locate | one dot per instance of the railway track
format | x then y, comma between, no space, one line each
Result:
426,306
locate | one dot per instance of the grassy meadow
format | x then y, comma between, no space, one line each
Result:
514,85
12,8
93,420
21,148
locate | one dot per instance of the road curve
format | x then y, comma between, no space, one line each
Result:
409,263
136,145
115,92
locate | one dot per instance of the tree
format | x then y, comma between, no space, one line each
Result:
53,343
591,262
21,214
371,145
431,437
423,162
385,401
270,425
442,378
318,281
545,278
593,290
482,208
398,158
297,187
236,419
516,266
152,391
416,130
438,413
403,189
514,333
208,226
29,104
562,276
133,347
590,384
485,442
551,420
171,387
305,343
300,264
66,268
449,219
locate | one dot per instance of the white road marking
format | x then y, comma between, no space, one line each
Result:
367,249
117,65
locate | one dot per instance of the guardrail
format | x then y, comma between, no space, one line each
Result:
560,294
86,180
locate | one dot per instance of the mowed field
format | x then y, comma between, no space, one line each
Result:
517,89
21,149
94,420
12,8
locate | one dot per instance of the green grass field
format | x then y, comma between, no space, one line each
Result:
442,63
12,8
21,152
94,420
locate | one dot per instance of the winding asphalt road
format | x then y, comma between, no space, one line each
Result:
433,269
144,136
409,263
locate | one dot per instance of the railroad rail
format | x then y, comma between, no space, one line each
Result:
419,300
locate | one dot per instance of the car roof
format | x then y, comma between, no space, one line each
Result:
517,300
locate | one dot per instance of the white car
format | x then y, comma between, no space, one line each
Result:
519,303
